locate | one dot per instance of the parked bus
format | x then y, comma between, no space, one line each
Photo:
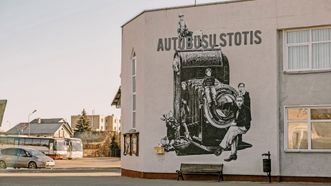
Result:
75,148
55,148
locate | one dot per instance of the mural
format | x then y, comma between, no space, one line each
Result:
209,116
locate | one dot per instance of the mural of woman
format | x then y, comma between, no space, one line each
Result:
209,87
185,110
176,64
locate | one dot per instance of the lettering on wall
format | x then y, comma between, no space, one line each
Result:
210,41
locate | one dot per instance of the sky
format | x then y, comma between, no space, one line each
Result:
62,56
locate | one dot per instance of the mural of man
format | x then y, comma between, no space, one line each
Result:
209,87
247,101
243,92
241,125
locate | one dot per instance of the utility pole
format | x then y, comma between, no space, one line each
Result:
195,2
29,119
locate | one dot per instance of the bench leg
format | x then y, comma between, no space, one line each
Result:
179,174
220,176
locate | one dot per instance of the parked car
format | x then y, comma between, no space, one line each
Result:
24,158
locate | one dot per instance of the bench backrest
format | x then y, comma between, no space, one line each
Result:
190,167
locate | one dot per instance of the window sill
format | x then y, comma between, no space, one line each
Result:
290,72
132,131
307,151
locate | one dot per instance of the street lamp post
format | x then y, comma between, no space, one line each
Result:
29,119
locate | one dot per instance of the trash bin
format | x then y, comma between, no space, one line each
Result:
267,164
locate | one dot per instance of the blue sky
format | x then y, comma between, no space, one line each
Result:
60,56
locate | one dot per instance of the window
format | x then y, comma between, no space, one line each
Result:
10,140
3,140
21,153
28,141
9,151
308,128
36,142
44,142
133,88
307,49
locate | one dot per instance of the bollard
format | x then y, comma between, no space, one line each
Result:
267,165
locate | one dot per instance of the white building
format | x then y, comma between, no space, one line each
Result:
280,50
99,122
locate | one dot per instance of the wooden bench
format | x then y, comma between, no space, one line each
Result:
189,168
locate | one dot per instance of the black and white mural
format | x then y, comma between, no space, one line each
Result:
209,116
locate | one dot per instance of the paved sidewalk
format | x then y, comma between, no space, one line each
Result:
111,180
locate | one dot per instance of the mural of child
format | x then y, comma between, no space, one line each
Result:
209,87
172,127
182,29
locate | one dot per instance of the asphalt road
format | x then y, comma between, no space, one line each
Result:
84,164
115,180
103,162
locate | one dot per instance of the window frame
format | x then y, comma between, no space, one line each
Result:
310,44
133,81
309,122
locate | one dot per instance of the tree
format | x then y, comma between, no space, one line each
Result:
83,123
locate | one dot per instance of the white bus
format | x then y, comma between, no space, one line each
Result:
75,148
55,148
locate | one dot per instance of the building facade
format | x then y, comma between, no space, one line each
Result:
99,122
113,123
227,82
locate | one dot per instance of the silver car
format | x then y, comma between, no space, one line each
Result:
24,158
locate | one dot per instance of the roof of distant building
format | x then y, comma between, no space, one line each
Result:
40,127
117,99
48,120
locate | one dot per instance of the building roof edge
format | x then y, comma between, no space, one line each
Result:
182,6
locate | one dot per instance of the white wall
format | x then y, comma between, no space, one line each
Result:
256,65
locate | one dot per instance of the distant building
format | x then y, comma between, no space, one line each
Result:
113,123
99,122
54,127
